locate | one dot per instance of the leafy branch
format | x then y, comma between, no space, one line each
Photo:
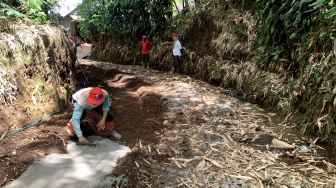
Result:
30,10
286,25
125,17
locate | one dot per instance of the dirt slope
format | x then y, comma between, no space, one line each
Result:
36,76
204,138
183,133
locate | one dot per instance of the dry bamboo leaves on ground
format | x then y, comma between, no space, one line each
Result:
210,140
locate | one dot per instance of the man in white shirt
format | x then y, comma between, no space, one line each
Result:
176,65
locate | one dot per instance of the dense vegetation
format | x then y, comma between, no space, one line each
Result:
125,18
294,39
294,29
31,11
297,38
290,41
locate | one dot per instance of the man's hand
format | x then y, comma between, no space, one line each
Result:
82,139
101,124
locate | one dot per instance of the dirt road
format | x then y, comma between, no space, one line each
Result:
199,137
182,133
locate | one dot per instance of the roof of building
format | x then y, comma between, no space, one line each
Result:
75,17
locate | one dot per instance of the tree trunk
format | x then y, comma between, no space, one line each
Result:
176,7
186,4
186,7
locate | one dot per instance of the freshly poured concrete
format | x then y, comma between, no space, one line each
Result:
82,167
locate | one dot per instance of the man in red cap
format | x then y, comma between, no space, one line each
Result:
145,45
95,99
177,53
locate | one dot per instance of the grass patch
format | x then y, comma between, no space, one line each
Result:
256,108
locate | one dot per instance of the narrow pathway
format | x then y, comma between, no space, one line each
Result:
181,133
213,140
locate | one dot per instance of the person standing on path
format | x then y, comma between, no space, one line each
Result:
177,53
95,99
78,42
145,45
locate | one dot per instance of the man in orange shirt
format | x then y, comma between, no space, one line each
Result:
145,45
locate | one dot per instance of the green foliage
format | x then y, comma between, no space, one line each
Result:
286,25
203,16
7,11
161,12
256,108
304,124
239,31
216,72
328,96
125,17
31,10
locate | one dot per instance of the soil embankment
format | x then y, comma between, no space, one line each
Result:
36,74
224,55
219,49
36,78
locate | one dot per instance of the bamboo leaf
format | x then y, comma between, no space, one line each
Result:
292,36
317,4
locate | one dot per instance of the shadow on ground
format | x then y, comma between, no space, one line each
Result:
139,115
137,110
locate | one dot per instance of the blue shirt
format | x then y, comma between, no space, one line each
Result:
81,104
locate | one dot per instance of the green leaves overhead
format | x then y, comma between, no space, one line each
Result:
125,17
285,25
31,10
7,11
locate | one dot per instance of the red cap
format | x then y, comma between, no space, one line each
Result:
144,37
174,35
95,95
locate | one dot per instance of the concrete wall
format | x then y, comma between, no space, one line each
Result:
68,24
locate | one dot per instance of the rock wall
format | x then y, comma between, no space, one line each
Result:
36,73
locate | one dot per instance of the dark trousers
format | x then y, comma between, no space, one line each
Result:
177,64
145,58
